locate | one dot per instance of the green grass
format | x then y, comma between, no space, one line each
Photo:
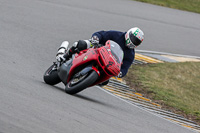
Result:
187,5
176,85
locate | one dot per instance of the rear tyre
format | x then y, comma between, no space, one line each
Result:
76,85
51,75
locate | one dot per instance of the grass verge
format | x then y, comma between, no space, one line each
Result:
176,86
187,5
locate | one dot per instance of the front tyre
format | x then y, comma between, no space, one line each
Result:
51,75
76,85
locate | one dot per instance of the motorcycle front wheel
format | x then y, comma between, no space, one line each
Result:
76,85
51,75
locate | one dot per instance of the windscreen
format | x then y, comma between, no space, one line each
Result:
116,51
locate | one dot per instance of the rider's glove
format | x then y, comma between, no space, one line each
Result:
95,41
119,75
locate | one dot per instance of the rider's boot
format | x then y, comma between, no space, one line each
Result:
68,54
61,51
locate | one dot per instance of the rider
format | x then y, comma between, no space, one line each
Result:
127,40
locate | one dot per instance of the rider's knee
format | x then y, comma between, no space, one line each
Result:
81,45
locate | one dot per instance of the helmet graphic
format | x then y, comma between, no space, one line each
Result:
134,37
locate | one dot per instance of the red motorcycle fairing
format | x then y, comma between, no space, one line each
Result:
81,60
102,59
109,62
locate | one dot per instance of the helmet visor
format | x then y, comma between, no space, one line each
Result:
134,39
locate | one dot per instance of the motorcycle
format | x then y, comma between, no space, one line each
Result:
87,68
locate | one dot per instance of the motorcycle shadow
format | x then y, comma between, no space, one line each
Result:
80,96
83,97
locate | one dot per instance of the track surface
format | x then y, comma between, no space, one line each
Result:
32,30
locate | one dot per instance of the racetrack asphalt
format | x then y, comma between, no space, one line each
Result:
31,32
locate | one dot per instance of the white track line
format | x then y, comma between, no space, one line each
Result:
164,53
146,110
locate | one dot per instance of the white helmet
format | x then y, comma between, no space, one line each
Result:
134,37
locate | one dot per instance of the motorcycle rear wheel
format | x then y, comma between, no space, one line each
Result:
74,86
51,76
